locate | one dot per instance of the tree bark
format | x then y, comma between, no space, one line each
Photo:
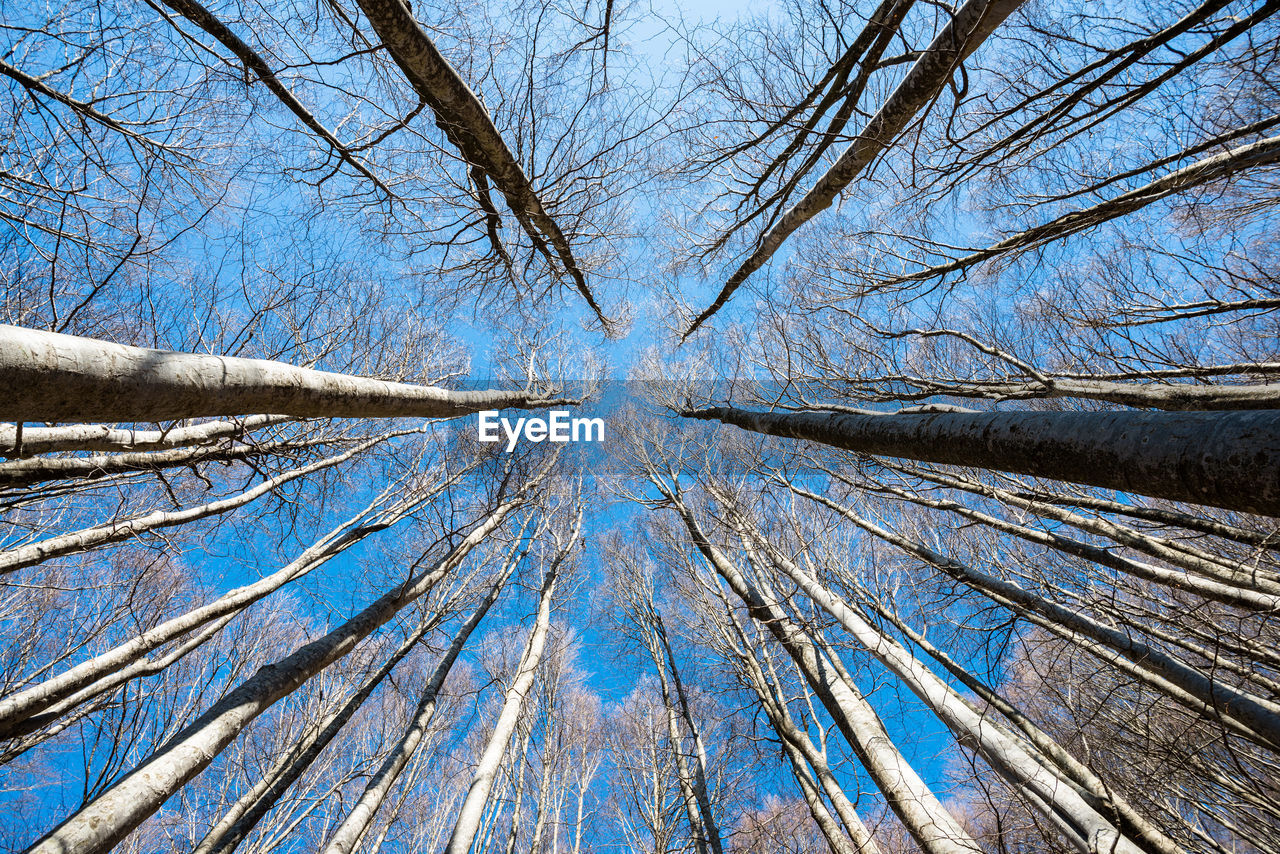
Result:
34,699
972,24
1251,716
801,752
927,820
243,816
1251,596
104,438
32,471
55,718
66,378
469,126
700,776
693,800
100,824
1203,563
1222,459
1013,761
352,829
114,532
473,806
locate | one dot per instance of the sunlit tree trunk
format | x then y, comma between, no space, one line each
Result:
1223,459
929,822
243,816
808,764
104,438
348,834
1013,760
112,667
469,126
473,806
115,532
1252,716
65,378
972,23
107,819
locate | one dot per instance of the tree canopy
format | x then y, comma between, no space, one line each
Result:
936,353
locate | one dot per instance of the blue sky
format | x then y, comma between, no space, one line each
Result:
338,588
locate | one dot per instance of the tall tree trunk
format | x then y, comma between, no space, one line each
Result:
473,806
688,797
972,24
1223,459
114,663
1105,795
469,126
926,819
700,786
1204,563
56,718
104,438
1214,589
65,378
1253,717
1171,518
125,529
352,829
100,824
243,816
1012,760
27,472
800,751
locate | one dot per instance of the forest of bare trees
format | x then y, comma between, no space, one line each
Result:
937,348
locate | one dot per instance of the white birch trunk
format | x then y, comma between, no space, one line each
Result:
926,819
348,834
1252,716
105,438
115,532
1090,831
972,24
